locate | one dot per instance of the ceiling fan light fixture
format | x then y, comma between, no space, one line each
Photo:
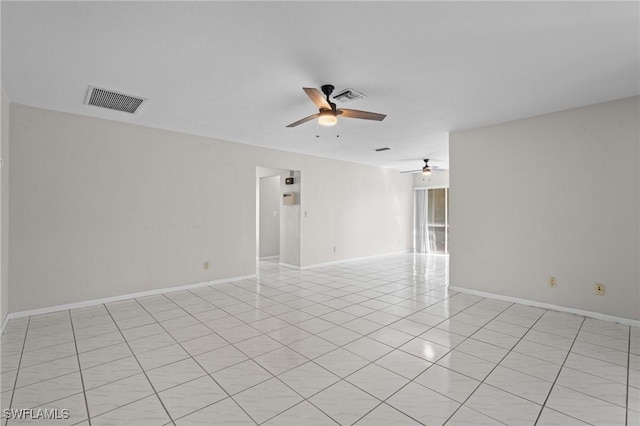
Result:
327,118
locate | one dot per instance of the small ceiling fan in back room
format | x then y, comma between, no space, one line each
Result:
328,114
426,169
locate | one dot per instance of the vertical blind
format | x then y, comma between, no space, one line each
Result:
431,227
420,233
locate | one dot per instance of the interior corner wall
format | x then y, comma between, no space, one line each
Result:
4,206
555,195
102,208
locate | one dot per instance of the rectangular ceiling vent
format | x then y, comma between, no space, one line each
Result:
104,98
348,95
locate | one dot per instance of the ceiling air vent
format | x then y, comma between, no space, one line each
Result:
348,95
113,100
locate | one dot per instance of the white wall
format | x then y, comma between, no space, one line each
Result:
102,208
371,212
269,213
4,206
554,195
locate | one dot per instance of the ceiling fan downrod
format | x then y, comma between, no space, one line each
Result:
327,89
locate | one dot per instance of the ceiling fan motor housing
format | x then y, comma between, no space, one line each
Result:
327,89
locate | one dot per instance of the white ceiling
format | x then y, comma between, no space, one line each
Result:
235,70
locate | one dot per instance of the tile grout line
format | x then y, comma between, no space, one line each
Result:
585,355
626,411
312,360
489,373
382,326
252,359
433,326
317,316
373,362
235,292
212,305
142,368
50,378
263,333
509,351
15,383
589,395
544,404
432,363
84,392
196,361
247,323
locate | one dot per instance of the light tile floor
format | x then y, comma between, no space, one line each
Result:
379,342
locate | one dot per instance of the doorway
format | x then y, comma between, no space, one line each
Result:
278,216
431,220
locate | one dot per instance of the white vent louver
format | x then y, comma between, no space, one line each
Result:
348,95
104,98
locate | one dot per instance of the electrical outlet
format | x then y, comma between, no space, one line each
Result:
206,264
552,281
599,289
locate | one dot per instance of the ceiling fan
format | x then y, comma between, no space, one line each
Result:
426,169
328,114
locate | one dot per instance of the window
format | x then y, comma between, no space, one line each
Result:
431,228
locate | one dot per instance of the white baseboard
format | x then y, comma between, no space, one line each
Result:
269,257
94,302
287,265
354,259
596,315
